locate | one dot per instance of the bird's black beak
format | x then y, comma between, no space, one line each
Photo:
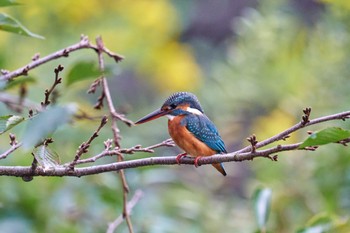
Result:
153,115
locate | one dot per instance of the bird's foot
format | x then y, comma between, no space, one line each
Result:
179,156
196,161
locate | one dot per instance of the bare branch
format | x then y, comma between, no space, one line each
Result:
237,156
21,171
50,91
83,148
287,132
253,142
84,43
94,86
132,150
116,136
14,146
134,200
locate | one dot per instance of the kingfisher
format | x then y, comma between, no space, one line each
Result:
190,128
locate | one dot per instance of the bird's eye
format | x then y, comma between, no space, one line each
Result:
169,107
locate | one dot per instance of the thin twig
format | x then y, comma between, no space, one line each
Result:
115,130
98,156
132,150
49,92
253,142
83,148
287,132
134,200
13,147
84,43
149,149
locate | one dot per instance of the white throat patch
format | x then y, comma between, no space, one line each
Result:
170,117
194,111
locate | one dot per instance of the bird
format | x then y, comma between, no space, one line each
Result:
190,128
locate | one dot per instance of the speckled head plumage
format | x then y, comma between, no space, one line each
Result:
179,98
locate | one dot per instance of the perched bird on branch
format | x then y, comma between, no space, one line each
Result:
190,128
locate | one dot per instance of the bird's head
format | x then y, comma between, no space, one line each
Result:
179,103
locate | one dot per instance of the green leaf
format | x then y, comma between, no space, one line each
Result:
325,136
45,123
46,157
262,201
15,82
82,71
9,3
9,24
322,223
8,122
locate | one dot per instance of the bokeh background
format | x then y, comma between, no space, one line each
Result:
254,65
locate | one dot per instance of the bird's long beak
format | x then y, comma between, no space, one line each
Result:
153,115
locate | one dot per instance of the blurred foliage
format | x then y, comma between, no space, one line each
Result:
9,24
274,59
81,71
262,202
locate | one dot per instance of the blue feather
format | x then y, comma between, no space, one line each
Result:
204,130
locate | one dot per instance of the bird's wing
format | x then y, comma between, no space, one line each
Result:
204,130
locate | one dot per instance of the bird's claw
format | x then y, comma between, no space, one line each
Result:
196,161
179,156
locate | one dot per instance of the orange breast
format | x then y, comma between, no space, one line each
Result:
186,140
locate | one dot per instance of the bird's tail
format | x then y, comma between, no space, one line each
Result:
220,168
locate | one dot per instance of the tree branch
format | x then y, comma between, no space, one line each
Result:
83,148
132,150
302,124
21,171
49,92
237,156
134,200
116,133
14,146
84,43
